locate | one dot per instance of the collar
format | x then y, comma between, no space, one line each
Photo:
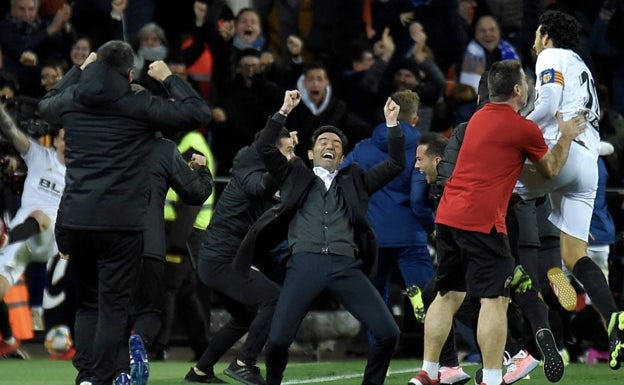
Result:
326,176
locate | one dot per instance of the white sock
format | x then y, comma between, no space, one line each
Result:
492,376
11,341
431,368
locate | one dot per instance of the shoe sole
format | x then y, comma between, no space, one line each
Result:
562,288
616,356
139,368
460,382
553,363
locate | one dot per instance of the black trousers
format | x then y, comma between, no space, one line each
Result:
307,274
251,302
106,266
149,298
182,299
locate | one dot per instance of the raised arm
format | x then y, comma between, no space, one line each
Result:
15,135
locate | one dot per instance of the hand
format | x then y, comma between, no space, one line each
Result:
226,29
386,46
28,59
197,161
61,18
573,127
90,59
118,6
291,100
406,17
294,45
391,112
9,164
294,138
219,115
159,70
201,10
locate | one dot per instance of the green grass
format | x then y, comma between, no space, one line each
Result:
47,372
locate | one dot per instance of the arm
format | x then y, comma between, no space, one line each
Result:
193,184
50,105
419,200
382,173
186,110
275,162
547,104
15,135
447,164
551,163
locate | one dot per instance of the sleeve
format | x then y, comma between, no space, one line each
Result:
50,105
419,200
535,147
550,84
35,156
276,163
194,187
187,110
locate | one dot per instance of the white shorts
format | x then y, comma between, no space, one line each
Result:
16,256
572,192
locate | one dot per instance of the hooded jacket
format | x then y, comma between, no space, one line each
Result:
108,131
399,213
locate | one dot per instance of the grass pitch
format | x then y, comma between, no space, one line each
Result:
46,372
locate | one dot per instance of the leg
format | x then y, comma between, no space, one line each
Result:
438,323
359,297
118,264
574,254
148,299
306,276
492,331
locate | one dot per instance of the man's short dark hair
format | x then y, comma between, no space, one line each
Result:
333,130
283,134
435,142
503,77
118,55
245,52
314,66
563,29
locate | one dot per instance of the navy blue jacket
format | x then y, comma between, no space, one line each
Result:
399,213
602,228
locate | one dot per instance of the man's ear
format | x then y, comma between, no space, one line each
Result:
414,120
310,155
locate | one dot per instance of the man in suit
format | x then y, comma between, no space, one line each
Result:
323,215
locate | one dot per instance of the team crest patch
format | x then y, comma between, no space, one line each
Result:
551,76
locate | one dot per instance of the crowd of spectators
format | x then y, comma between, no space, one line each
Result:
344,56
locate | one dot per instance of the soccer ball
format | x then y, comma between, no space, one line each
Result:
58,340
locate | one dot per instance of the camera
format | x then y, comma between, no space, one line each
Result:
23,110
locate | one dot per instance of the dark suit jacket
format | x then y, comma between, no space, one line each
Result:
295,179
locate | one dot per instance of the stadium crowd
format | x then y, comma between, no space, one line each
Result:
270,97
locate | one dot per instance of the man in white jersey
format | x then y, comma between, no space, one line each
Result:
30,235
565,84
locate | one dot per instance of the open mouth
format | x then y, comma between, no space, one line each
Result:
327,155
248,32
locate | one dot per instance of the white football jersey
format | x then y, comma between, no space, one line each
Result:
556,67
44,183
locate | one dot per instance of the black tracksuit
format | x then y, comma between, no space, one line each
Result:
108,130
250,297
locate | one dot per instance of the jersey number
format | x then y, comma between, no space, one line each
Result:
590,105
